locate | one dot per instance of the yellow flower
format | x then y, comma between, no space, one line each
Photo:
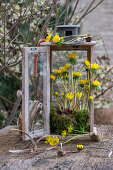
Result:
80,147
91,97
82,82
86,87
48,37
95,66
67,66
77,74
62,95
61,38
78,95
48,138
69,96
70,129
63,70
52,77
51,140
63,133
72,56
57,72
86,81
96,83
87,64
56,93
56,39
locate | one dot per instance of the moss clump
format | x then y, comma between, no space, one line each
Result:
82,120
60,121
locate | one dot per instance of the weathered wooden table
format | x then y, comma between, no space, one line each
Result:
91,158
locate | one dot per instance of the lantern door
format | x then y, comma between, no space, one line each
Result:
36,91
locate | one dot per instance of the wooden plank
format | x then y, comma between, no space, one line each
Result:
48,92
25,96
14,110
90,57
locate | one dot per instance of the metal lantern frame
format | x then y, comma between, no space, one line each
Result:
48,48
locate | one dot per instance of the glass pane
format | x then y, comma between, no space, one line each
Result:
37,79
60,58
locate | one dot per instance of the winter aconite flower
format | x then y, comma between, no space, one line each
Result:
67,66
80,147
77,74
63,133
69,129
57,71
78,95
72,56
48,37
56,39
69,96
62,95
51,140
82,82
63,70
52,77
86,87
56,93
95,66
87,64
91,97
96,83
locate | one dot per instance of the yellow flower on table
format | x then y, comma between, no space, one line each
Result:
95,66
70,128
52,77
96,83
80,147
91,97
63,133
51,140
69,96
56,39
87,64
78,95
48,37
77,74
72,56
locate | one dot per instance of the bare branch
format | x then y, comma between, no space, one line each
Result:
95,6
76,4
103,92
88,10
85,13
8,101
46,22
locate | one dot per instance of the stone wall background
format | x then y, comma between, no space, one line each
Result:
100,23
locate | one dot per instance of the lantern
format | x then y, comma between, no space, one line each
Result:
38,63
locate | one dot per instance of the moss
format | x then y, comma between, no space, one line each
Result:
60,122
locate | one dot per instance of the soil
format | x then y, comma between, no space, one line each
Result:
94,156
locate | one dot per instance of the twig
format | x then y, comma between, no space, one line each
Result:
8,101
73,12
46,22
33,142
103,92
